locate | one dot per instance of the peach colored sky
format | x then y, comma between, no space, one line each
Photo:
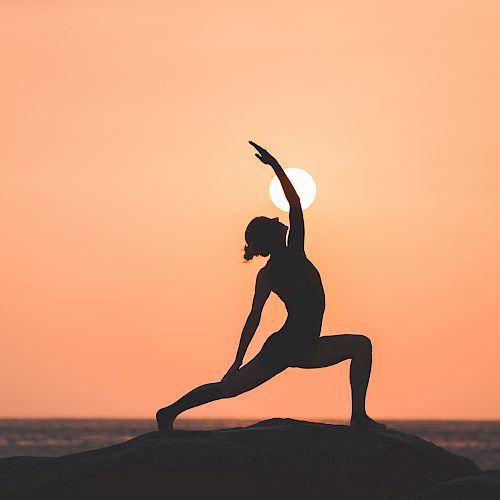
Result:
126,183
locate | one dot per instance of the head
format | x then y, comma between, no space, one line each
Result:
264,236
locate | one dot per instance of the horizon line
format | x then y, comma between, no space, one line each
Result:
180,419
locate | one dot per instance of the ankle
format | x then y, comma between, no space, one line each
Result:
167,411
358,414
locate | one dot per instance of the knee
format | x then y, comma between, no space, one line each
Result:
364,344
227,389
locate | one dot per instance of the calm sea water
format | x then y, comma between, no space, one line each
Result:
477,440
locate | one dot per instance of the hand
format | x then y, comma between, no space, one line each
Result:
264,156
232,370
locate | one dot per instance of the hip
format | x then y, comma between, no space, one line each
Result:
299,335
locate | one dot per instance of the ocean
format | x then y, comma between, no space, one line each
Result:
477,440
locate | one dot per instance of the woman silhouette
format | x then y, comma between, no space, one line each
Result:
292,276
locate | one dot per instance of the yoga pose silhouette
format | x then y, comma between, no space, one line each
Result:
292,276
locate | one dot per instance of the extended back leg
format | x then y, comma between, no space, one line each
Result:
246,378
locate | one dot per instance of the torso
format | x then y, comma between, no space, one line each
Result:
298,284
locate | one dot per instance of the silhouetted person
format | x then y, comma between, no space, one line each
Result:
292,276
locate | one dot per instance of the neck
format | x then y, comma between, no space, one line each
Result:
278,252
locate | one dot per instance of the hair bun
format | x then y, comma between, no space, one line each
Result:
249,253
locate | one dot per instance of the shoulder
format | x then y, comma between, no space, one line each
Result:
296,253
262,284
264,278
263,274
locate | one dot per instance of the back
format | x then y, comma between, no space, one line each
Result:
291,274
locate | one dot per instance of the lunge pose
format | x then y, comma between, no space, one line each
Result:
292,276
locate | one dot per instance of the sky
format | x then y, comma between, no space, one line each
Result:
126,184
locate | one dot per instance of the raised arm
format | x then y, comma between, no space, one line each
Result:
262,292
296,234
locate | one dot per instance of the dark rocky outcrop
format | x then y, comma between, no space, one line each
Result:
485,486
274,459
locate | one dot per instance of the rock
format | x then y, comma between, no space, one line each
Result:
274,459
482,487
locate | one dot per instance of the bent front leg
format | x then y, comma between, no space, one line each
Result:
333,349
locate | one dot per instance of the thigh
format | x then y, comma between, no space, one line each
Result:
249,376
333,349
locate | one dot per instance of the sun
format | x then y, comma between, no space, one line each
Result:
303,183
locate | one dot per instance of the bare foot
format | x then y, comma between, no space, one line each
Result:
365,422
165,420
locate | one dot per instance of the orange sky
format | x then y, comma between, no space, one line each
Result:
126,183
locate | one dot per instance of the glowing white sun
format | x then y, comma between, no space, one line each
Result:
302,182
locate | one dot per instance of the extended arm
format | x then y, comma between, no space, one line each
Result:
288,189
262,291
296,235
